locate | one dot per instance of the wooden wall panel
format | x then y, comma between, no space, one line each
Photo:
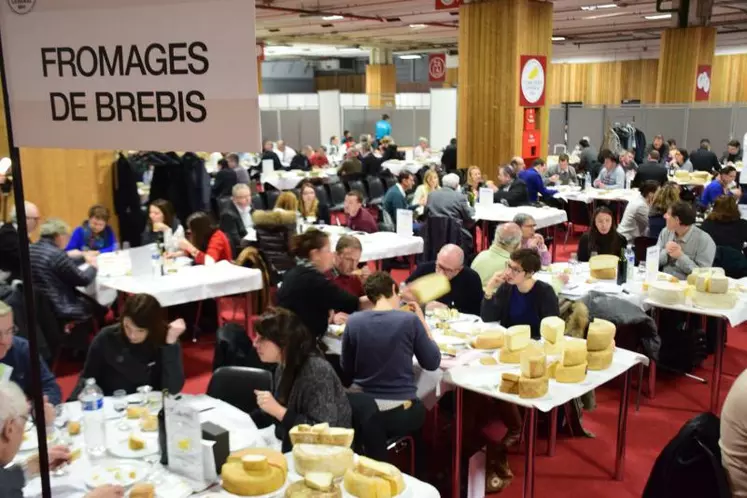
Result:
682,51
381,85
452,77
729,79
345,83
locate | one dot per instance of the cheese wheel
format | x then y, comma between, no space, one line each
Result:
321,434
322,458
601,360
143,490
363,486
667,292
508,356
532,363
574,352
518,337
693,277
429,287
509,383
719,284
603,267
533,388
489,340
300,489
715,301
274,458
600,336
552,329
551,368
381,470
570,375
238,481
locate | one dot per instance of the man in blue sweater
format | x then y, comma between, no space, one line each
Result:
535,184
377,353
15,362
383,127
720,186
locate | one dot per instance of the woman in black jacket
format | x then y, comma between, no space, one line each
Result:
306,291
514,297
142,349
306,389
225,179
725,224
163,226
312,211
602,238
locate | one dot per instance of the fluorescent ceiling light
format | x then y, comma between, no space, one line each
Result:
333,18
658,17
349,49
558,38
604,16
409,56
600,6
417,26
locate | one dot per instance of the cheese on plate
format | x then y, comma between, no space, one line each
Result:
603,267
600,336
518,337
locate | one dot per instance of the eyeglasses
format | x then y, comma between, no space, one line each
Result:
449,271
514,269
9,333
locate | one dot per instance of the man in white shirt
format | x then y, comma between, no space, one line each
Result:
284,152
634,221
421,151
683,245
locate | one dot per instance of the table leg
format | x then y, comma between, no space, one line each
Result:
717,365
622,427
554,241
553,437
411,259
529,457
484,235
456,477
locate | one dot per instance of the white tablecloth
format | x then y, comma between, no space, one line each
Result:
395,166
243,433
486,379
288,180
381,245
593,194
190,284
544,216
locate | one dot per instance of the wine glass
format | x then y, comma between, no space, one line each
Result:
62,439
573,263
119,399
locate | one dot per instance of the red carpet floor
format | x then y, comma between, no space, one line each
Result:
581,466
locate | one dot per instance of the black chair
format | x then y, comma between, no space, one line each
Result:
273,242
297,193
389,181
258,202
640,244
337,195
271,196
236,385
321,194
375,190
358,185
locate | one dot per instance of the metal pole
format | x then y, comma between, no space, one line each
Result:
28,291
622,427
528,491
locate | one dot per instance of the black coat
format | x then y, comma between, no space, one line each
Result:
10,258
301,162
127,204
727,233
605,246
371,165
225,180
322,214
232,226
497,308
276,164
516,194
650,171
704,160
449,158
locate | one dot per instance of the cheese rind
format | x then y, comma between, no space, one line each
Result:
601,360
430,287
600,336
533,388
715,301
667,292
489,340
322,458
552,329
238,481
509,383
386,471
574,352
321,434
301,490
532,363
603,267
570,375
508,356
518,337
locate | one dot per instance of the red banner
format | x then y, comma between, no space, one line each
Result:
436,67
703,84
447,4
532,80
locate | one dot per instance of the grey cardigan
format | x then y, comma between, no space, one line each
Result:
317,396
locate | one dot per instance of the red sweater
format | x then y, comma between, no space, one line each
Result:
219,248
363,222
319,160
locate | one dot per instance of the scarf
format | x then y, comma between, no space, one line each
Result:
94,241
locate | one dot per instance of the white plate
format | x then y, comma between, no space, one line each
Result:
31,441
123,474
276,494
335,330
118,445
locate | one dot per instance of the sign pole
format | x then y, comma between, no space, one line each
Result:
28,291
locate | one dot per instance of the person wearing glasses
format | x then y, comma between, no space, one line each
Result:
10,256
15,355
466,286
515,297
530,239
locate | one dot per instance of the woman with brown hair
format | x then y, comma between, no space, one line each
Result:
94,235
287,201
602,238
667,196
473,183
725,224
206,244
306,389
142,349
163,225
312,211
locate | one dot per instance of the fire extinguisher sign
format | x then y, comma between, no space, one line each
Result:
532,80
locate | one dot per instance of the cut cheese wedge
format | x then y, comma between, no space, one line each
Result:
552,329
301,489
601,360
429,287
489,340
254,462
322,434
532,362
692,278
600,336
508,356
533,388
322,458
321,481
518,337
509,383
603,267
488,361
374,479
574,352
570,375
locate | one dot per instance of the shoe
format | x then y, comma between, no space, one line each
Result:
511,438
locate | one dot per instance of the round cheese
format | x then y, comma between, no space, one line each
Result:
274,458
508,356
322,458
321,434
533,388
552,329
374,479
603,267
489,340
667,292
238,481
600,336
570,375
715,301
574,352
601,360
509,383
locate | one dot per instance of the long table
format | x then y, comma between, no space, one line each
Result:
243,433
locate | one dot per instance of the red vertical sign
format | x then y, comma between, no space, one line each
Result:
703,84
436,67
447,4
532,80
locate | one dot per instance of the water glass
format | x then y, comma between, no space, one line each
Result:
573,263
119,402
144,394
62,439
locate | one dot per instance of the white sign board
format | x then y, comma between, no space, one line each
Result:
485,196
184,441
652,263
135,74
404,223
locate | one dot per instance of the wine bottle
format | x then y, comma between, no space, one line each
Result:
162,429
622,268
